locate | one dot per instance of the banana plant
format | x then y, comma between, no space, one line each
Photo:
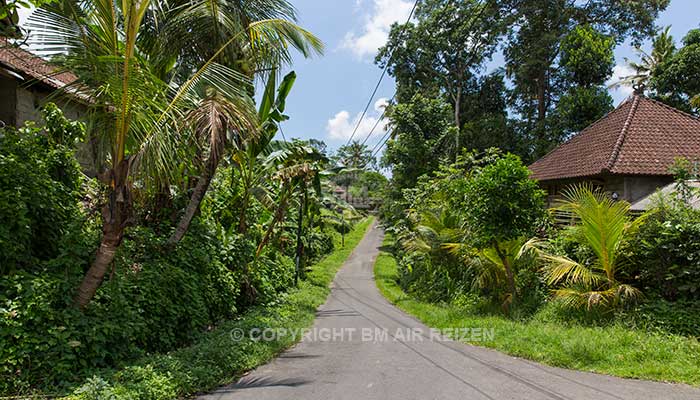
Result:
250,159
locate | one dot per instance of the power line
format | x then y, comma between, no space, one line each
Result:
381,117
381,142
279,125
378,147
381,77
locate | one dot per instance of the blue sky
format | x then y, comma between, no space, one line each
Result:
331,91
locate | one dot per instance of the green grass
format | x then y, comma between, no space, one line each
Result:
614,350
217,359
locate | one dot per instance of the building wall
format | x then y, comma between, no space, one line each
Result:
628,187
8,102
19,104
639,187
31,99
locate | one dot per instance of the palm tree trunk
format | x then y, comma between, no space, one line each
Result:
458,123
195,200
279,214
299,242
510,277
115,217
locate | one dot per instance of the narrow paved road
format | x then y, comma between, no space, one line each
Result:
403,367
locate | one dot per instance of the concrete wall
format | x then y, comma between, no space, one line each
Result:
20,103
31,99
631,188
639,187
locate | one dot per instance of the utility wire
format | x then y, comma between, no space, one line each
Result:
381,117
279,125
381,77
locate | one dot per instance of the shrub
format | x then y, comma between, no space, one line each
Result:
501,204
153,301
680,317
40,184
433,280
666,253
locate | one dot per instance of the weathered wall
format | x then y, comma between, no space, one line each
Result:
19,104
31,99
8,101
628,187
639,187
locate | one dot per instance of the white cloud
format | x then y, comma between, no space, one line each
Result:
376,27
381,104
619,72
341,126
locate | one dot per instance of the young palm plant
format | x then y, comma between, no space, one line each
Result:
602,225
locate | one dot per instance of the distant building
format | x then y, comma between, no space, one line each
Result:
26,82
628,152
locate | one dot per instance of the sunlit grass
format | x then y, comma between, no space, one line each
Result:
614,350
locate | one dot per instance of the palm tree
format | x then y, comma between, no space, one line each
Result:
604,225
296,166
135,116
441,234
355,155
216,21
662,49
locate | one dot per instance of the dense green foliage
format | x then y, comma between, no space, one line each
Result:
220,356
501,202
476,233
558,56
554,337
675,80
39,190
666,253
156,297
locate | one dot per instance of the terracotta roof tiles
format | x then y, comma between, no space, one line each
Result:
640,137
32,66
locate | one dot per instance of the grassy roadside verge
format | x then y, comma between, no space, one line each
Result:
220,355
613,350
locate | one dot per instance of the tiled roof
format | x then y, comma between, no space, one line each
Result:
640,137
32,66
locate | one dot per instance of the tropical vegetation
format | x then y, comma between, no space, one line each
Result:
170,210
137,238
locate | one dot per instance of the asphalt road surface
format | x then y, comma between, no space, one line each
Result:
362,347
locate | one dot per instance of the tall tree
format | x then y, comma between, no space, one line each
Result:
355,155
220,20
663,47
676,80
135,115
442,53
419,130
533,49
586,62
